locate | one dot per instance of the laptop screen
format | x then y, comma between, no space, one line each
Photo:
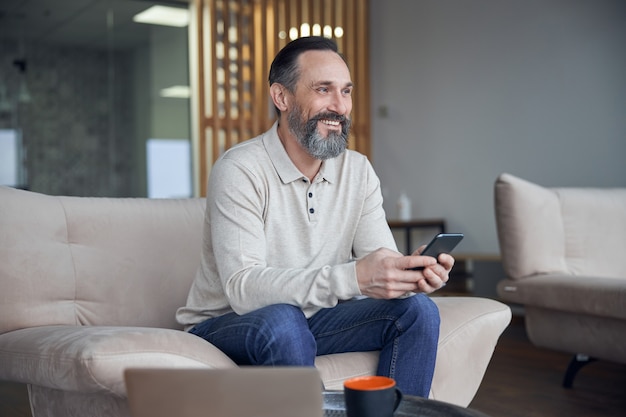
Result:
232,392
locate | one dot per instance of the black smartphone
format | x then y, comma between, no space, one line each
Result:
442,243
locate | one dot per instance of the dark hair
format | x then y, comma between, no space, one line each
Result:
284,69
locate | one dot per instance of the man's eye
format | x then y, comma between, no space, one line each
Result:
322,89
347,92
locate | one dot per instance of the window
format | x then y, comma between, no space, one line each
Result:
169,168
11,172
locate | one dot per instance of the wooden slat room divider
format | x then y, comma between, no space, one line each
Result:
236,41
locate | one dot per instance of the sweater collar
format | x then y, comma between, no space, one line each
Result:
283,165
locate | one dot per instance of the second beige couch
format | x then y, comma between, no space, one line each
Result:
564,253
89,287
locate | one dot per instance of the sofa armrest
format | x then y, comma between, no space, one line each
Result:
470,329
92,359
530,227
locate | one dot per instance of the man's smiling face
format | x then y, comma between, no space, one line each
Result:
320,112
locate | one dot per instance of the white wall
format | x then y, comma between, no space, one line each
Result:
473,88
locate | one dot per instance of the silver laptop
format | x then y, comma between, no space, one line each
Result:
233,392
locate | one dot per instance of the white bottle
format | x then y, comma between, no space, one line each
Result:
404,208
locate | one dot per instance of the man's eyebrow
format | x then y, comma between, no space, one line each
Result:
348,84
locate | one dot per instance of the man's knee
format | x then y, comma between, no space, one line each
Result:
421,310
285,324
281,317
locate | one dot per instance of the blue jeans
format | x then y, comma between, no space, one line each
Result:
406,332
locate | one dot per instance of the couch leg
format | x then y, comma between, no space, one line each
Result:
578,361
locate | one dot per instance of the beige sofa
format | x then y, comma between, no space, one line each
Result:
564,253
89,287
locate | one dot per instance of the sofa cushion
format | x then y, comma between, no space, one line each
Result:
596,296
96,261
594,222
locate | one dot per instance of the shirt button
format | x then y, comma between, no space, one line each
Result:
311,210
310,195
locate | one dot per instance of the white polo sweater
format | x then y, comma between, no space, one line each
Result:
271,236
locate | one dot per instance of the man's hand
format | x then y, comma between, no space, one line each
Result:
385,274
437,275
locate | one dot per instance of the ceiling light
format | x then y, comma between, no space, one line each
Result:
163,15
176,91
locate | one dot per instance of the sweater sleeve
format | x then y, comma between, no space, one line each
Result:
372,231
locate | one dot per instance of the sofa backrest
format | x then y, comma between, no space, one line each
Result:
575,231
95,261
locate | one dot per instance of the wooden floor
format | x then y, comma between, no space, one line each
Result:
525,381
521,381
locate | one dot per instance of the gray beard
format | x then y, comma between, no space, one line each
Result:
312,141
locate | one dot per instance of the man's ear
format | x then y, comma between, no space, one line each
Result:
279,96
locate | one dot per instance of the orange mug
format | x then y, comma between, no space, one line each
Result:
371,396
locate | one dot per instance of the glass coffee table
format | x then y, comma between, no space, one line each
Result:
334,406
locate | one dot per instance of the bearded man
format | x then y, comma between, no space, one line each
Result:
298,259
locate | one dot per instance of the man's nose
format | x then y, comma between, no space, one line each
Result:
340,104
